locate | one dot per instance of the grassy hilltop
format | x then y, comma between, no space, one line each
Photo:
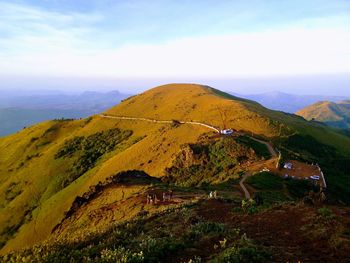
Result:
45,167
331,113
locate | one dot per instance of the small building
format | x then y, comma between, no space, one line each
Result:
288,166
315,177
226,132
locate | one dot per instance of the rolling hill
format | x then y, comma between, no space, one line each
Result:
288,102
331,113
58,177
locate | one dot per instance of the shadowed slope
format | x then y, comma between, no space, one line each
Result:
331,113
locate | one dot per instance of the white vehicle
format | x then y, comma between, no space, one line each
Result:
226,132
265,170
315,177
288,166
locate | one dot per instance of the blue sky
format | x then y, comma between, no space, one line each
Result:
182,40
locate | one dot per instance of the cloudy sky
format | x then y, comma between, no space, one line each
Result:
172,40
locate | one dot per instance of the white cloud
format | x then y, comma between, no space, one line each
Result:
25,29
40,42
293,51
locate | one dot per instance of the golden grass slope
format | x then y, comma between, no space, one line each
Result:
194,102
151,148
334,114
36,203
191,102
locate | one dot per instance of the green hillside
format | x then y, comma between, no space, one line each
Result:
333,114
46,167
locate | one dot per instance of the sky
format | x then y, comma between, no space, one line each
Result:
105,44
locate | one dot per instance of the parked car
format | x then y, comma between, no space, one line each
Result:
315,177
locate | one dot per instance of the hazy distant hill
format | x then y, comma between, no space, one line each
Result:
331,113
288,102
89,100
19,109
14,119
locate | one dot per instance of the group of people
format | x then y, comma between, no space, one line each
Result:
153,199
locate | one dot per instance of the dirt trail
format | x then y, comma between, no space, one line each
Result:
268,145
160,121
247,174
241,184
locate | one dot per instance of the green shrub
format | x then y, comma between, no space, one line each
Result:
298,188
265,181
121,255
215,161
271,197
205,228
243,251
87,150
325,213
260,149
155,249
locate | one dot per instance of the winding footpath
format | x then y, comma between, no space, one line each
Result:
241,183
160,121
247,174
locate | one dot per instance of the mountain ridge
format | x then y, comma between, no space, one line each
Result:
289,102
331,113
63,159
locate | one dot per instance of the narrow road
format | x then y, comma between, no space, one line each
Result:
247,174
241,184
269,147
160,121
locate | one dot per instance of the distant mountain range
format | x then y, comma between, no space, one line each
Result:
286,102
21,108
89,100
24,108
331,113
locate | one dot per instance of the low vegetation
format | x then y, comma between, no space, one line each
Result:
209,162
154,238
205,231
335,164
265,181
259,148
274,189
87,150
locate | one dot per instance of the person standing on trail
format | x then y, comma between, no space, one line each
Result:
215,194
